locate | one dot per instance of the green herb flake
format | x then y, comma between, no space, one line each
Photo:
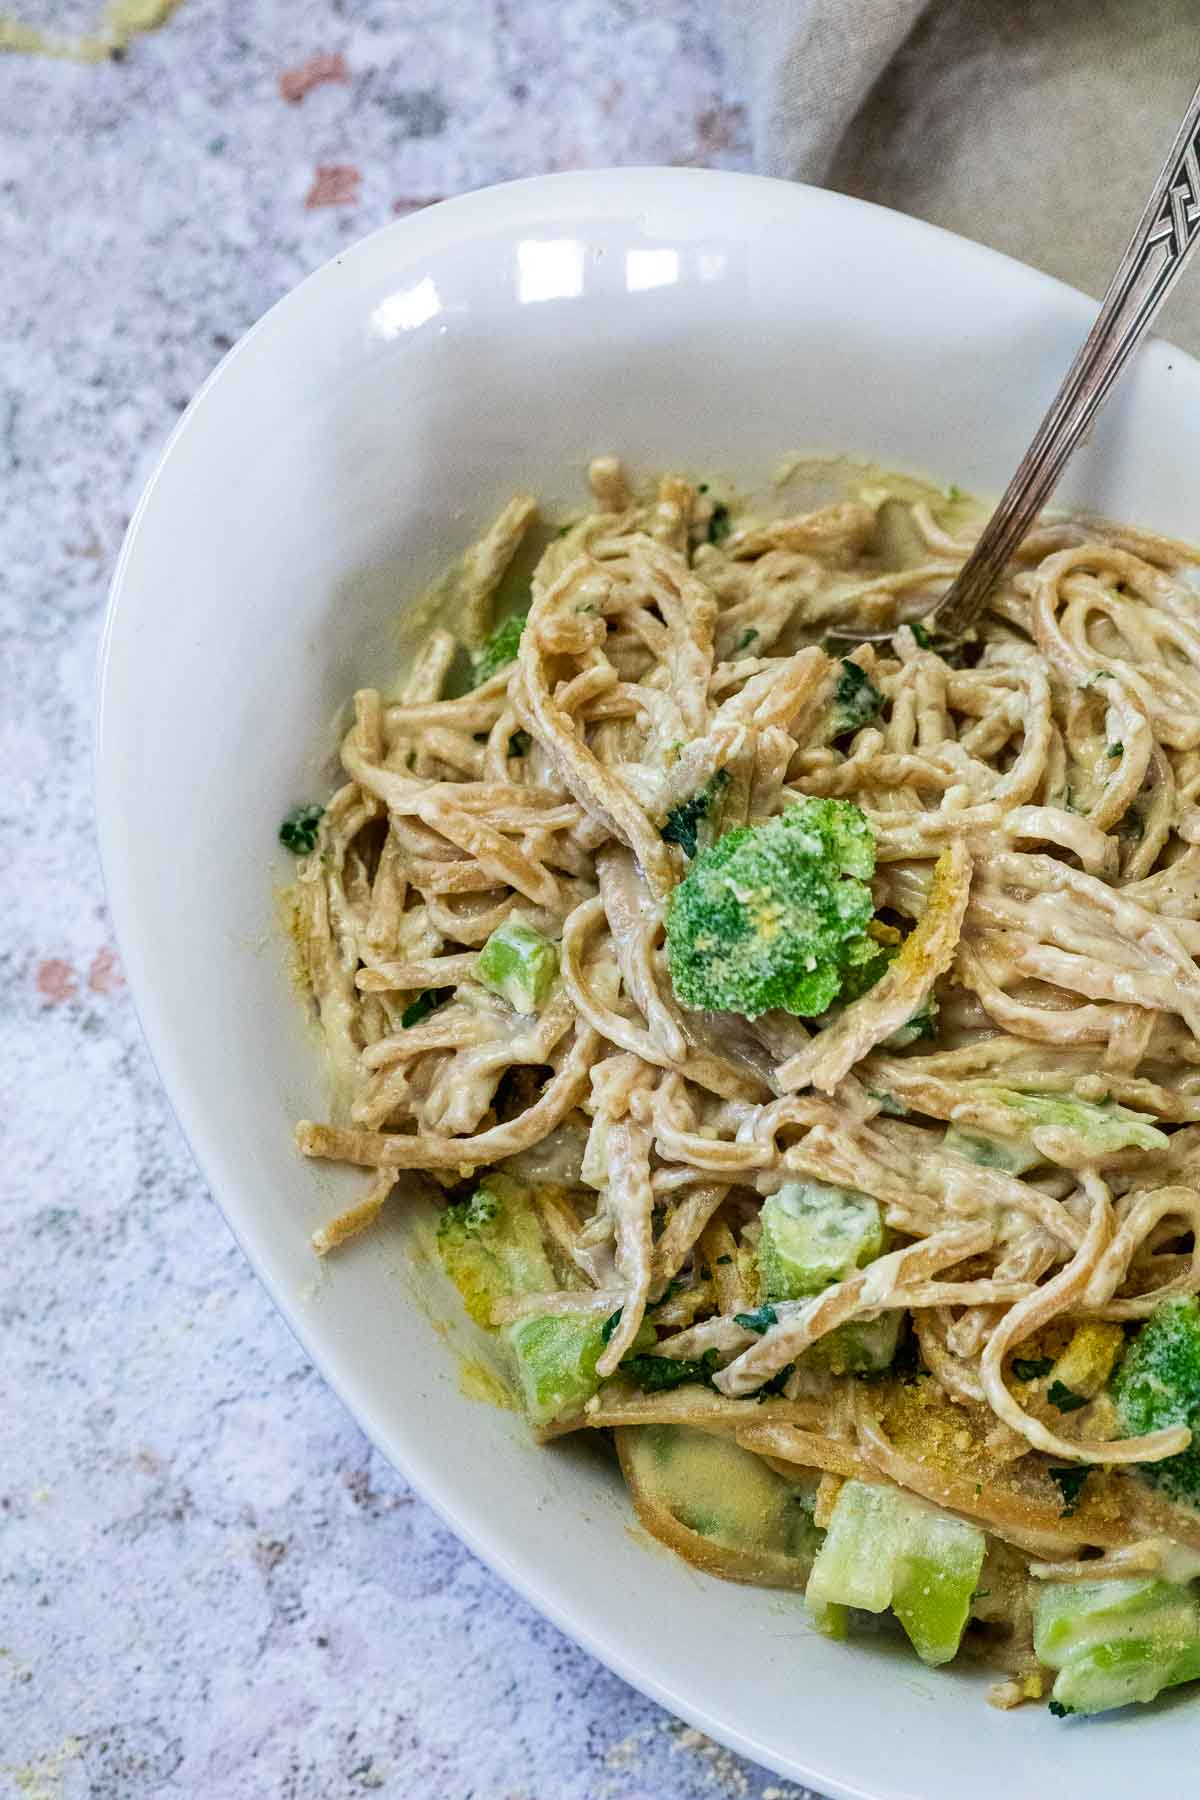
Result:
721,1262
719,524
747,638
919,632
1028,1368
1059,1711
520,744
298,833
423,1005
1061,1396
1069,1482
610,1325
1114,750
760,1320
656,1374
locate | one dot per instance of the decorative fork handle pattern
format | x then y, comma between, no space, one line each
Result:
1165,237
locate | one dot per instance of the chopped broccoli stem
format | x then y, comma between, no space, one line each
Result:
856,701
923,1024
691,824
1101,1126
860,1346
813,1235
1113,1642
298,833
884,1548
491,1248
556,1364
501,648
774,915
989,1153
519,964
1158,1384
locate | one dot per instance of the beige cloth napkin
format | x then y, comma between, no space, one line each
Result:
1036,126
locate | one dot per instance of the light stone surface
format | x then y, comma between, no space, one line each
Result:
209,1584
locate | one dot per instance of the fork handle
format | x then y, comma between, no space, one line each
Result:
1165,237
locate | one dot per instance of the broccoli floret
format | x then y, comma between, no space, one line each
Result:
856,701
1113,1642
298,833
500,649
520,964
693,819
491,1247
883,1548
1158,1384
773,915
1102,1126
813,1235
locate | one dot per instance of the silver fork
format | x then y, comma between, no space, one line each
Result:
1165,237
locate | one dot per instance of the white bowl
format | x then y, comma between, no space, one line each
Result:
341,454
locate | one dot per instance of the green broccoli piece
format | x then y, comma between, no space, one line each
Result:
520,964
989,1153
1102,1126
856,701
774,915
923,1024
1113,1642
814,1235
298,832
426,1002
500,649
491,1248
693,820
1158,1384
884,1548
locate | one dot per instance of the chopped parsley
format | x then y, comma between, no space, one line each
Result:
1114,750
298,833
423,1005
655,1374
610,1325
1028,1368
683,823
1069,1482
747,638
719,523
760,1320
1059,1710
520,744
919,632
1060,1395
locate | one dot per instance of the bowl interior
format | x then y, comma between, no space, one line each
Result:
342,454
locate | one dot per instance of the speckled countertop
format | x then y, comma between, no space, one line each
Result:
193,1534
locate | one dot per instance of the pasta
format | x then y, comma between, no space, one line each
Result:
999,1131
